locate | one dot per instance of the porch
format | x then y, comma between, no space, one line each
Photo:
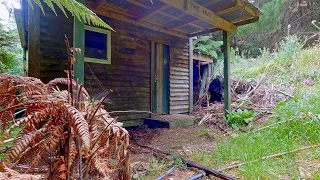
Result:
148,61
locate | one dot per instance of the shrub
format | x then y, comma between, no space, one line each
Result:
239,118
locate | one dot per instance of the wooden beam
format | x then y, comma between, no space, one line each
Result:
159,7
210,3
144,24
98,4
177,18
226,70
200,12
220,10
164,13
226,7
247,8
239,23
225,11
34,41
109,7
78,42
217,10
103,11
248,21
139,4
181,23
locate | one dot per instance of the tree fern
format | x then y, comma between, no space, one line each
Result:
80,11
206,45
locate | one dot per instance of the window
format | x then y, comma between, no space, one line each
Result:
97,45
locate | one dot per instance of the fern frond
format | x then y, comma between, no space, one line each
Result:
30,121
24,142
65,81
98,166
80,11
60,169
49,143
82,128
72,150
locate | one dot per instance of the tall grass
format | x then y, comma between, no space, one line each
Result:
290,65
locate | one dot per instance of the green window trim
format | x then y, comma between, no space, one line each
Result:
108,33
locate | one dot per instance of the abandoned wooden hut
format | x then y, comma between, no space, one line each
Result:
147,61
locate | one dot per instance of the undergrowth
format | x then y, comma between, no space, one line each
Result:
239,118
301,115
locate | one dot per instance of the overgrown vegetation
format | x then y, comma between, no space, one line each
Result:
206,45
10,50
295,123
239,118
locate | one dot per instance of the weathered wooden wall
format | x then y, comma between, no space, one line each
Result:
53,51
129,74
179,76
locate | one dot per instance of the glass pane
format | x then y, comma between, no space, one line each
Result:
95,45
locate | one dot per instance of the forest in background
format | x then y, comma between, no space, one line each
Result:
249,41
270,30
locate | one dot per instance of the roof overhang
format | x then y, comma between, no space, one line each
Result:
182,18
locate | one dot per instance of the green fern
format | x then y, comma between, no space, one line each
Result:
80,11
206,45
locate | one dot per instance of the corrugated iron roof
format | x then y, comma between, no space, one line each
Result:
175,16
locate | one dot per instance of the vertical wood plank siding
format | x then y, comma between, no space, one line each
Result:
129,74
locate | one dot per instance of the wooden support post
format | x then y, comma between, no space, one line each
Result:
226,54
190,75
34,41
78,42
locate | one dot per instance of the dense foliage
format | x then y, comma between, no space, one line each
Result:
10,50
280,18
206,45
293,124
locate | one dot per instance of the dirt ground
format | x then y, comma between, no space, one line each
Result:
180,141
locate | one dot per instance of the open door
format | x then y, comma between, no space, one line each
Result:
160,78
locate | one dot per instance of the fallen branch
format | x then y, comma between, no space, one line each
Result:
284,93
271,125
268,157
186,161
247,95
135,111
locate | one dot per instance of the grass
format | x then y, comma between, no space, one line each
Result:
291,66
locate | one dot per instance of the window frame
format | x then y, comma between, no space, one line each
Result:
103,31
